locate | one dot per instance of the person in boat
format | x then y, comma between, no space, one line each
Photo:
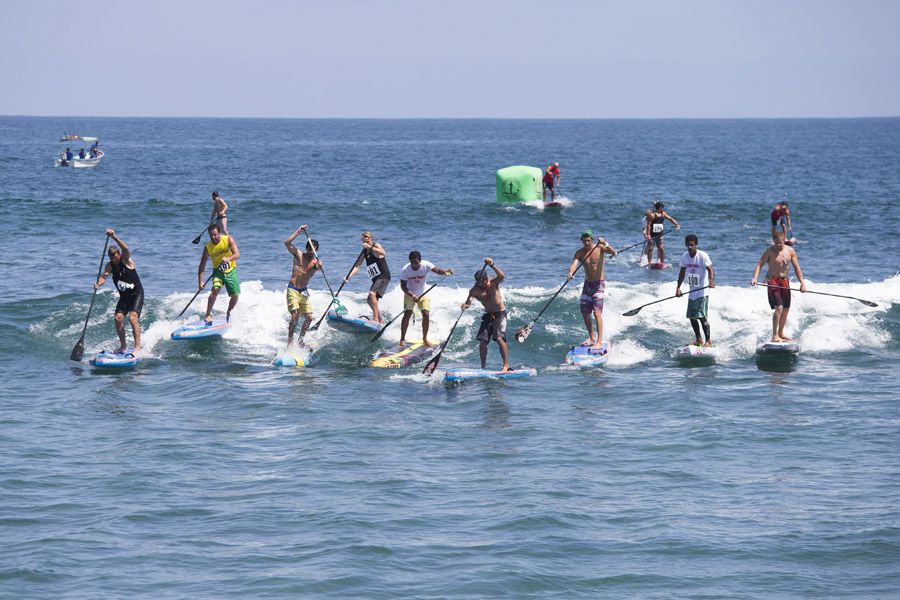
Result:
375,257
550,180
656,220
223,250
697,265
219,212
131,293
69,155
82,154
591,300
95,151
778,258
493,323
413,278
305,266
781,218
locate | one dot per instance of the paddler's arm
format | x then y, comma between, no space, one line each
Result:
102,279
378,250
126,253
359,259
289,243
797,270
607,248
680,281
712,276
235,253
406,291
203,258
572,267
759,265
439,271
500,275
672,219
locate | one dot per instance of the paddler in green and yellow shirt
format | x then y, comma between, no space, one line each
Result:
223,251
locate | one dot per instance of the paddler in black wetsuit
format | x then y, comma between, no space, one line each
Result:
131,293
375,257
656,220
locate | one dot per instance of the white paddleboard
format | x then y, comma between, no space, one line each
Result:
585,355
201,329
353,324
695,351
467,374
116,359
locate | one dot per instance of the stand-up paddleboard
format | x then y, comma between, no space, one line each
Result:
790,242
116,359
353,324
791,347
695,351
201,329
302,357
553,204
658,265
467,374
396,357
585,355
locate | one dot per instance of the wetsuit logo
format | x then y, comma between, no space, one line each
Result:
124,286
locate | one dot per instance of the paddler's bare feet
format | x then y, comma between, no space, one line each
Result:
426,343
597,345
589,342
121,350
785,338
402,344
708,344
775,338
505,369
207,319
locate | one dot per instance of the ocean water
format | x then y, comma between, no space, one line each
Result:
207,473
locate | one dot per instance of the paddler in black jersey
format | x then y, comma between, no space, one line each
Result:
131,293
493,323
656,220
223,251
375,258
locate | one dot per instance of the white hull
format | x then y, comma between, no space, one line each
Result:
79,163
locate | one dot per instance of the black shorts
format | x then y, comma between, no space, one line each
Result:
379,286
493,326
128,303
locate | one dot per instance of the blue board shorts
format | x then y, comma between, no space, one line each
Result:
592,296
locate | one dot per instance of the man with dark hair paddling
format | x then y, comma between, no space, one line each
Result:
305,266
223,251
656,220
591,301
778,259
493,323
696,264
413,278
131,293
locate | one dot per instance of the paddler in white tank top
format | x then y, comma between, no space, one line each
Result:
223,251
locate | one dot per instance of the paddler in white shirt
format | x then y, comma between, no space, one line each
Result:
223,251
413,278
697,265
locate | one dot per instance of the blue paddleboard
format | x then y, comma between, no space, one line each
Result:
201,329
467,374
303,357
353,324
116,359
585,355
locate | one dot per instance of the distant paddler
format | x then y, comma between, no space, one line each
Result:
493,323
219,214
551,181
656,220
377,269
413,278
781,218
131,293
778,259
306,264
592,257
697,266
223,251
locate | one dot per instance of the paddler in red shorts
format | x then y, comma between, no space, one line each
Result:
778,259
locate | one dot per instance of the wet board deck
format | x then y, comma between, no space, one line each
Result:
695,351
658,265
201,329
467,374
790,242
396,357
585,355
298,357
118,360
791,347
553,204
353,324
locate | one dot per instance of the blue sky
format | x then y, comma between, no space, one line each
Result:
350,58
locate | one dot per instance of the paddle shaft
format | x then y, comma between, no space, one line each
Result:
781,287
316,255
433,363
196,240
78,350
644,241
197,293
388,324
635,311
334,297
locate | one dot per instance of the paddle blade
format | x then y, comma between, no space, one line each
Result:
196,240
868,303
523,332
432,364
632,312
340,309
78,351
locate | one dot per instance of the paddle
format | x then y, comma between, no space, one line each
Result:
641,242
334,299
183,310
196,240
635,311
340,309
781,287
525,330
433,363
388,324
78,350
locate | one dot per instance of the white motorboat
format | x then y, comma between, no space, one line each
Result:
76,162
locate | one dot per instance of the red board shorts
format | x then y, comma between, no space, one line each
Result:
780,295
